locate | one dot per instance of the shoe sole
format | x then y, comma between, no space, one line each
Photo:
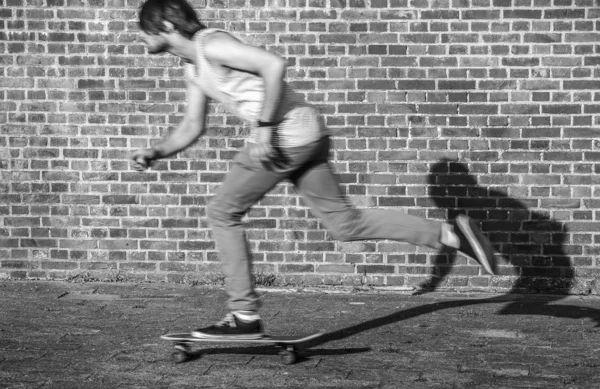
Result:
236,337
464,223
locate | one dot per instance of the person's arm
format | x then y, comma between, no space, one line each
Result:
189,129
223,50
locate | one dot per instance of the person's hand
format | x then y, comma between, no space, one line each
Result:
142,158
262,151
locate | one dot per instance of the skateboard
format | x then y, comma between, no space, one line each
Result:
288,344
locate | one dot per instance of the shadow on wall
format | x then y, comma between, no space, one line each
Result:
530,241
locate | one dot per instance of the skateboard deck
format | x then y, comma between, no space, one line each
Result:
286,343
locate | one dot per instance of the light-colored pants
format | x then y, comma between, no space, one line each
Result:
309,171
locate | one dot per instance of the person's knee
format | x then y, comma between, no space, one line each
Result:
219,214
348,228
216,213
343,235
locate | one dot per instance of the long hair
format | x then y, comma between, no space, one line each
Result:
180,13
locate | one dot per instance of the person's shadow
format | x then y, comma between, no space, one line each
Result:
530,241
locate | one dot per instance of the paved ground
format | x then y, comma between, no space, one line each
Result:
102,335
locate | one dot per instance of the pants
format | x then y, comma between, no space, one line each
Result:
307,168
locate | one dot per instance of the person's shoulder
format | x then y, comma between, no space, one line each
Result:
218,38
217,44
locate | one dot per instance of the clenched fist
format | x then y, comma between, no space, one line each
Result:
142,158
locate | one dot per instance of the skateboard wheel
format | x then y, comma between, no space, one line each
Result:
184,347
179,356
288,357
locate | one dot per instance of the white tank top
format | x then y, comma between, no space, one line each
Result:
242,94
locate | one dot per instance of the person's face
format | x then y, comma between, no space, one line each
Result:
154,43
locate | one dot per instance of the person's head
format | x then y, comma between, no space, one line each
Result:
159,17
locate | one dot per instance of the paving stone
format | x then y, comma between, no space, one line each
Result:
373,340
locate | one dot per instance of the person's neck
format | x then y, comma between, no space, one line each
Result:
183,48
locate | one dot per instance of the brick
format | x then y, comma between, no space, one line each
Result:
438,108
296,268
196,245
397,108
137,84
520,61
527,109
316,246
424,38
357,108
6,82
338,38
179,223
137,266
62,265
559,61
591,61
481,14
15,264
456,85
563,156
416,84
335,268
261,223
120,199
541,132
521,156
564,13
582,84
396,202
78,244
522,14
438,62
561,108
96,84
374,269
478,109
539,84
497,85
561,203
440,14
178,267
377,84
542,38
582,37
158,245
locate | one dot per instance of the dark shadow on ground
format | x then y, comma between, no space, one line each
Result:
530,241
540,305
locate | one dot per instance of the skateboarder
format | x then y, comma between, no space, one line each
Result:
288,141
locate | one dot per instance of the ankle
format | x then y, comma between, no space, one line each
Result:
448,236
247,316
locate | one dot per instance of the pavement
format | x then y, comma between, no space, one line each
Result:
106,335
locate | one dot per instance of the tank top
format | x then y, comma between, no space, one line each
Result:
242,94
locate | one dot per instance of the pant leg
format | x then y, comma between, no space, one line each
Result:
320,189
244,186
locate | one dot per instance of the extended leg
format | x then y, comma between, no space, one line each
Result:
319,186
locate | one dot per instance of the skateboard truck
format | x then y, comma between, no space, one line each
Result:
183,351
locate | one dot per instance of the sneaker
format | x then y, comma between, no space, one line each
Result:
231,327
474,244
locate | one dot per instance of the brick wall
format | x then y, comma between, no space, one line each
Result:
486,107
